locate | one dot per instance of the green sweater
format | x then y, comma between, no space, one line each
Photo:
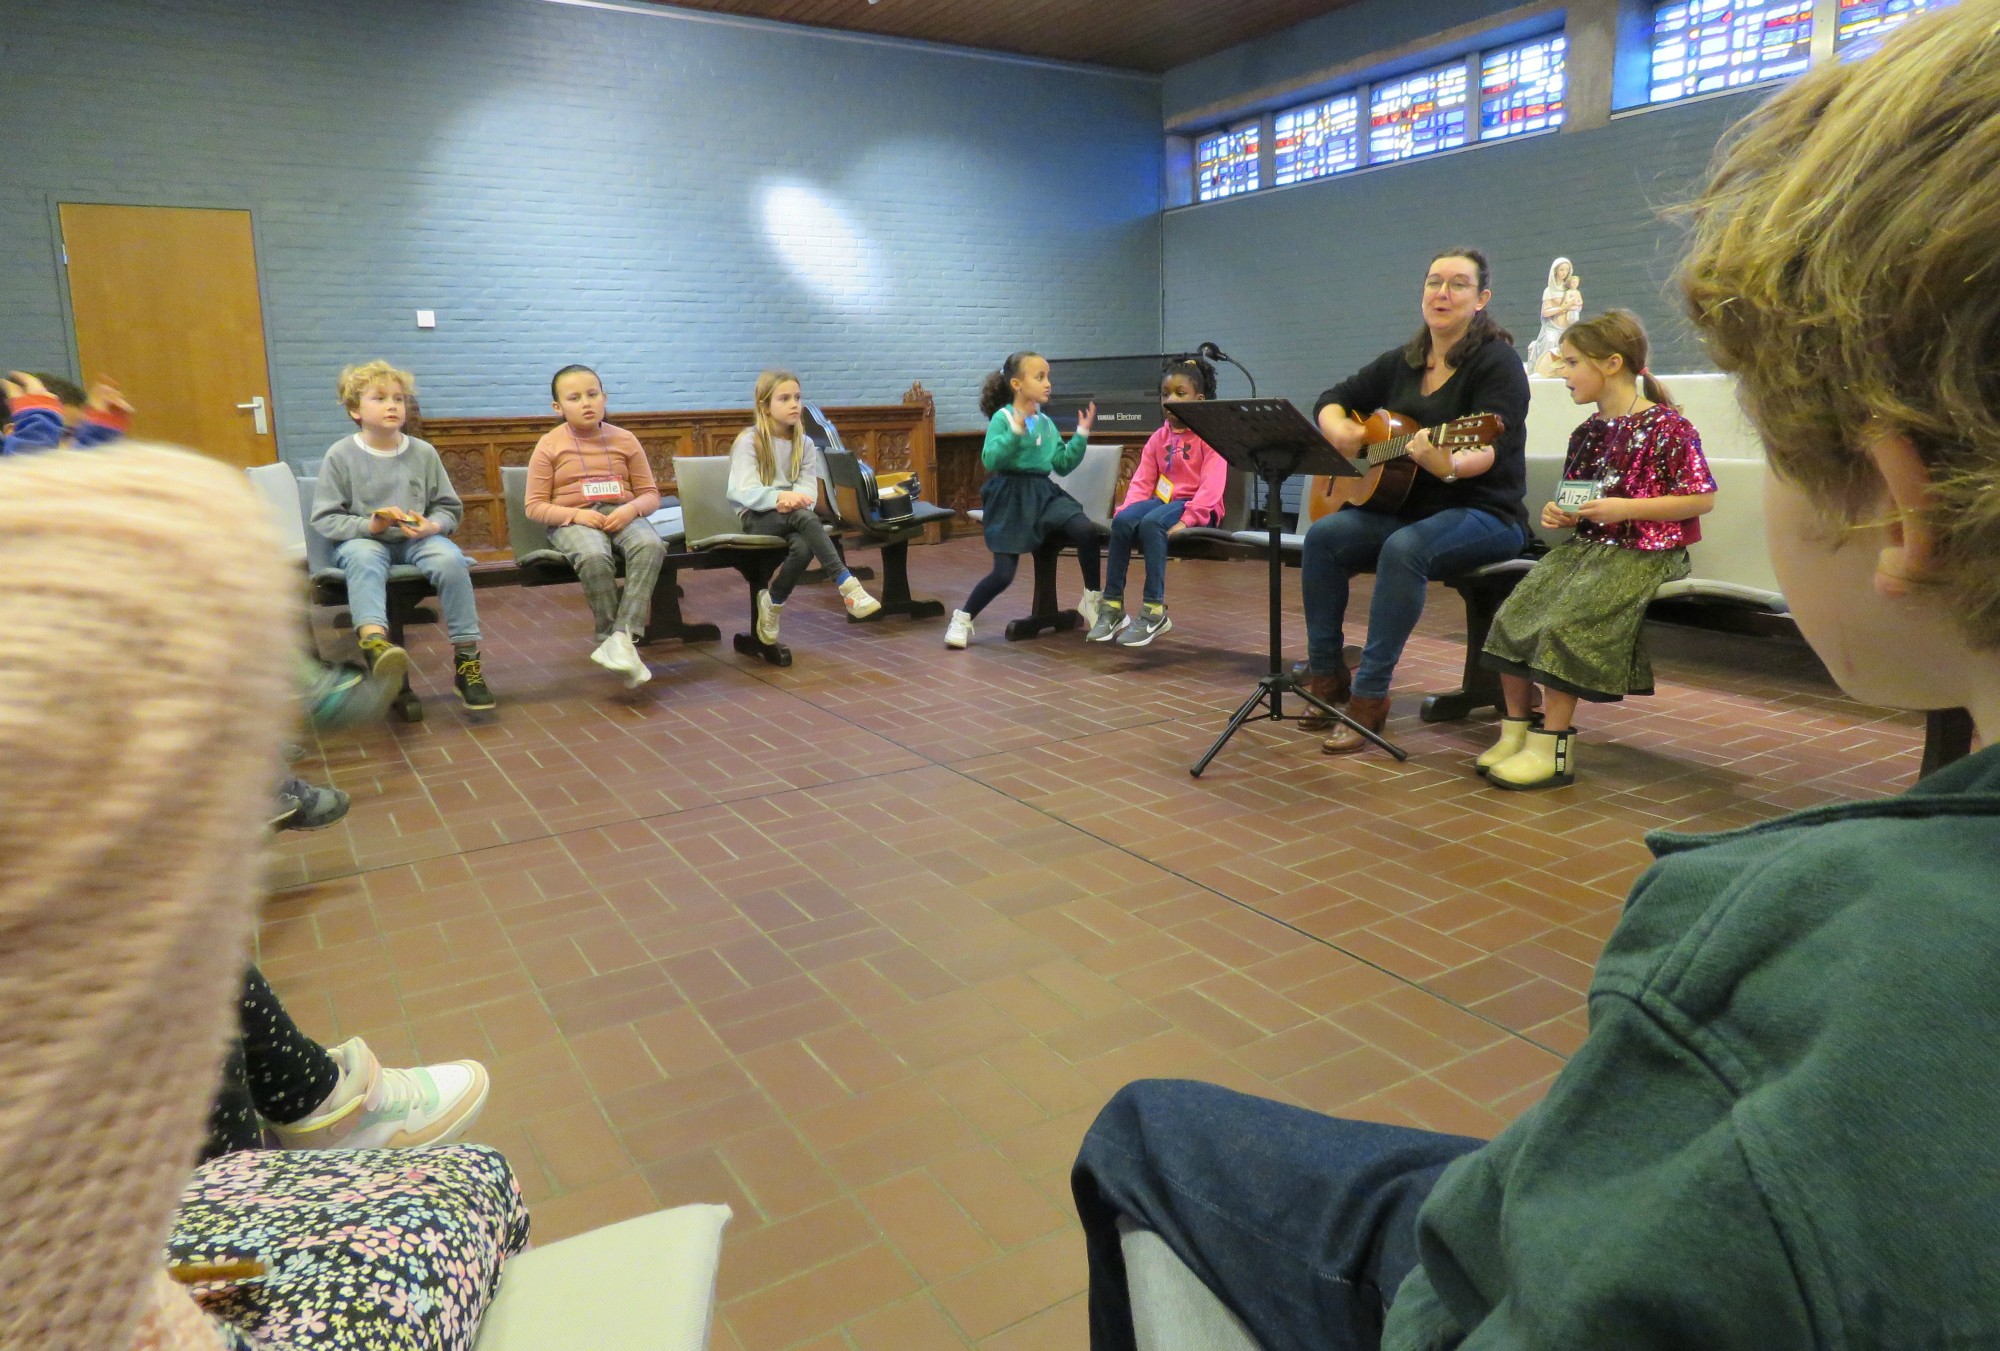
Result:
1040,450
1784,1129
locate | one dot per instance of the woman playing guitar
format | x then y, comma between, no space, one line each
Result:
1463,510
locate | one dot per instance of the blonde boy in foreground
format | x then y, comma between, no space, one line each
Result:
1781,1132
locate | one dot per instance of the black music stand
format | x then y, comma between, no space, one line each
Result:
1272,440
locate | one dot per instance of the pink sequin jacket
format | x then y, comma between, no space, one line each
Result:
1654,453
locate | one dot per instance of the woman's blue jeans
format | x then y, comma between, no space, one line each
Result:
1404,556
1304,1225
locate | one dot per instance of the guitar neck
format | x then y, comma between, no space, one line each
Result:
1395,448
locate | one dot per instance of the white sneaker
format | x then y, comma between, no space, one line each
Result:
608,656
859,603
376,1108
1087,607
767,618
634,666
959,632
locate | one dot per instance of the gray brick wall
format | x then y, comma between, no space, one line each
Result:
565,183
1306,284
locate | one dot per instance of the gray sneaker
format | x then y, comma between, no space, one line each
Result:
300,806
768,612
1111,617
1149,625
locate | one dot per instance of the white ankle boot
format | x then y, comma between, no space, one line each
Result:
1545,760
1086,608
1513,735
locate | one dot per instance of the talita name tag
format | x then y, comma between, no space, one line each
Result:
1574,492
602,489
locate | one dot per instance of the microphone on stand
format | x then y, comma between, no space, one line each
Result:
1208,351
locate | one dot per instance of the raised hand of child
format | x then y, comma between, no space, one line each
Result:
18,384
1555,518
1085,418
104,397
1016,421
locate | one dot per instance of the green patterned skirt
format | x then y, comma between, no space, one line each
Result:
1576,622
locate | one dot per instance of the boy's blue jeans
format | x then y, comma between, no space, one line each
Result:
367,562
1148,522
1304,1225
1404,555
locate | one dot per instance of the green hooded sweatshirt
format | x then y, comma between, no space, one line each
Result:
1784,1129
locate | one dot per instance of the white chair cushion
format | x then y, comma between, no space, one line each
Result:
644,1285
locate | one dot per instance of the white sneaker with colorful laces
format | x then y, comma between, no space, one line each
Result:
376,1108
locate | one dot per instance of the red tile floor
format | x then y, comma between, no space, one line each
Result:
859,947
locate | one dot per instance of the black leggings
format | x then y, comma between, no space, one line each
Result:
1077,532
809,540
274,1073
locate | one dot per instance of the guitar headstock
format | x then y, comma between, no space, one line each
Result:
1481,429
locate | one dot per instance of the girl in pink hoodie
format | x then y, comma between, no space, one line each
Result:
1179,483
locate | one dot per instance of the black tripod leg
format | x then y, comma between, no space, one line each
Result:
1242,716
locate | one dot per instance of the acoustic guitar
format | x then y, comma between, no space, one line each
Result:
1387,471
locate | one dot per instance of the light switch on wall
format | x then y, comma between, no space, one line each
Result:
427,319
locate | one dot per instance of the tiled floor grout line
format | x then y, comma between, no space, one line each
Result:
953,767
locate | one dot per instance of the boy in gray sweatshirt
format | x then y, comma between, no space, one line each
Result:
383,499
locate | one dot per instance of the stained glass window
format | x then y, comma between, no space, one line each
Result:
1862,24
1418,114
1226,163
1521,88
1317,140
1704,45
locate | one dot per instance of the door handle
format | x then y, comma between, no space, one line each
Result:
258,415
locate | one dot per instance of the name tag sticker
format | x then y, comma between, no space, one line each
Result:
1574,492
600,489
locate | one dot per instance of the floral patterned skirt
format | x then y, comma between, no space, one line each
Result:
380,1249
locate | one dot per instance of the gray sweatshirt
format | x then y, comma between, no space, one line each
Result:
353,484
747,492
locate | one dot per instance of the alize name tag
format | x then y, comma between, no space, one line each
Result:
1574,492
602,489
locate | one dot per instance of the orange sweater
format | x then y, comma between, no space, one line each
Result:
563,460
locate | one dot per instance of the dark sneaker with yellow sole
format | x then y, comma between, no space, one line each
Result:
470,682
385,660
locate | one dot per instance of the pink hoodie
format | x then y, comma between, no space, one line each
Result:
1197,473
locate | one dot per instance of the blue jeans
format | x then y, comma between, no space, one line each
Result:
1148,522
367,562
1304,1225
1404,556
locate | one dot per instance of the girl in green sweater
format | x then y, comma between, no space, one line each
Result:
1024,507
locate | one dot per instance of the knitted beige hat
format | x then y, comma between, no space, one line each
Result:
146,622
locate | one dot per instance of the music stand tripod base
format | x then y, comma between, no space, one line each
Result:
1273,440
1271,690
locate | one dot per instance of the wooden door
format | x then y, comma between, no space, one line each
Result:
166,306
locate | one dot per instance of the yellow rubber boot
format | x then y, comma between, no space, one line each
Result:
1545,760
1513,735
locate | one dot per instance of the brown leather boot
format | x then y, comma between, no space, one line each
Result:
1333,689
1370,713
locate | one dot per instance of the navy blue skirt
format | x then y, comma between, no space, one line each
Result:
1022,510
